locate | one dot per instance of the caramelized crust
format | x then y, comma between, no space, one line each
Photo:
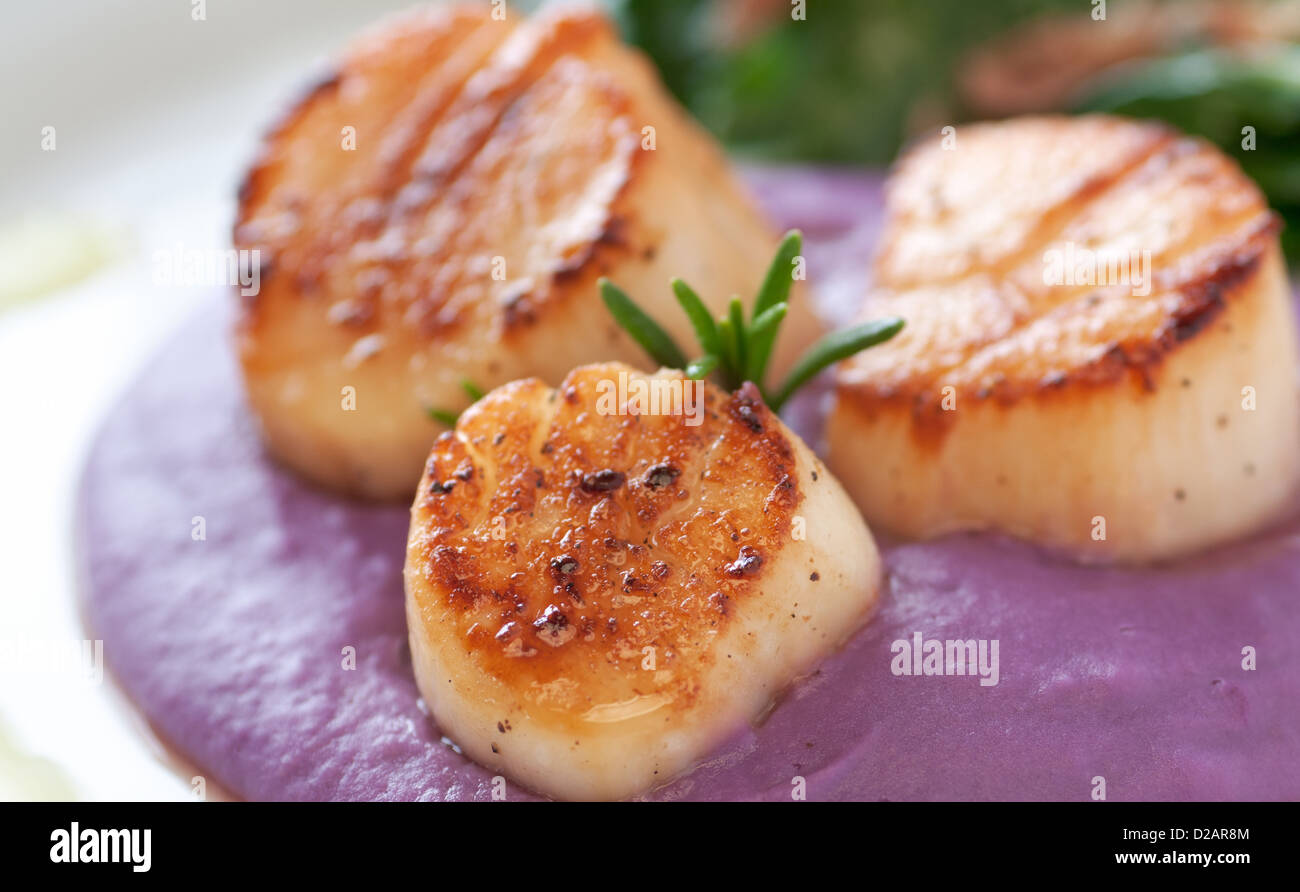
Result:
965,260
558,543
440,210
607,579
1095,310
473,142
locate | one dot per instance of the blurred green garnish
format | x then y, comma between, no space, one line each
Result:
448,417
1218,94
844,84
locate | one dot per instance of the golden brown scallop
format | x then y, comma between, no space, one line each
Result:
599,591
1100,353
440,209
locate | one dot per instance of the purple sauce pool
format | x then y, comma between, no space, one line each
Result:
233,644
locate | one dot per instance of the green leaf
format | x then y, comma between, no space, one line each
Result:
644,330
702,367
473,390
447,418
780,275
736,316
762,335
831,349
706,331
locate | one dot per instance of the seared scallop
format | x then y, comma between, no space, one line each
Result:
602,583
1100,352
439,211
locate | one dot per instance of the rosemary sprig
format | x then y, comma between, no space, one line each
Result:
443,416
702,367
832,348
657,342
740,353
762,337
779,278
706,330
736,350
474,392
448,417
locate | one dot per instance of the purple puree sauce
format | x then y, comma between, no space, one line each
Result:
233,645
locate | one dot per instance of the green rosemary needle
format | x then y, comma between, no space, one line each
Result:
735,350
644,330
831,349
762,337
706,330
443,416
780,276
702,367
448,417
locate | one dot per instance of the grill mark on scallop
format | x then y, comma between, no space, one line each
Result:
1008,304
461,109
438,38
454,296
1055,218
